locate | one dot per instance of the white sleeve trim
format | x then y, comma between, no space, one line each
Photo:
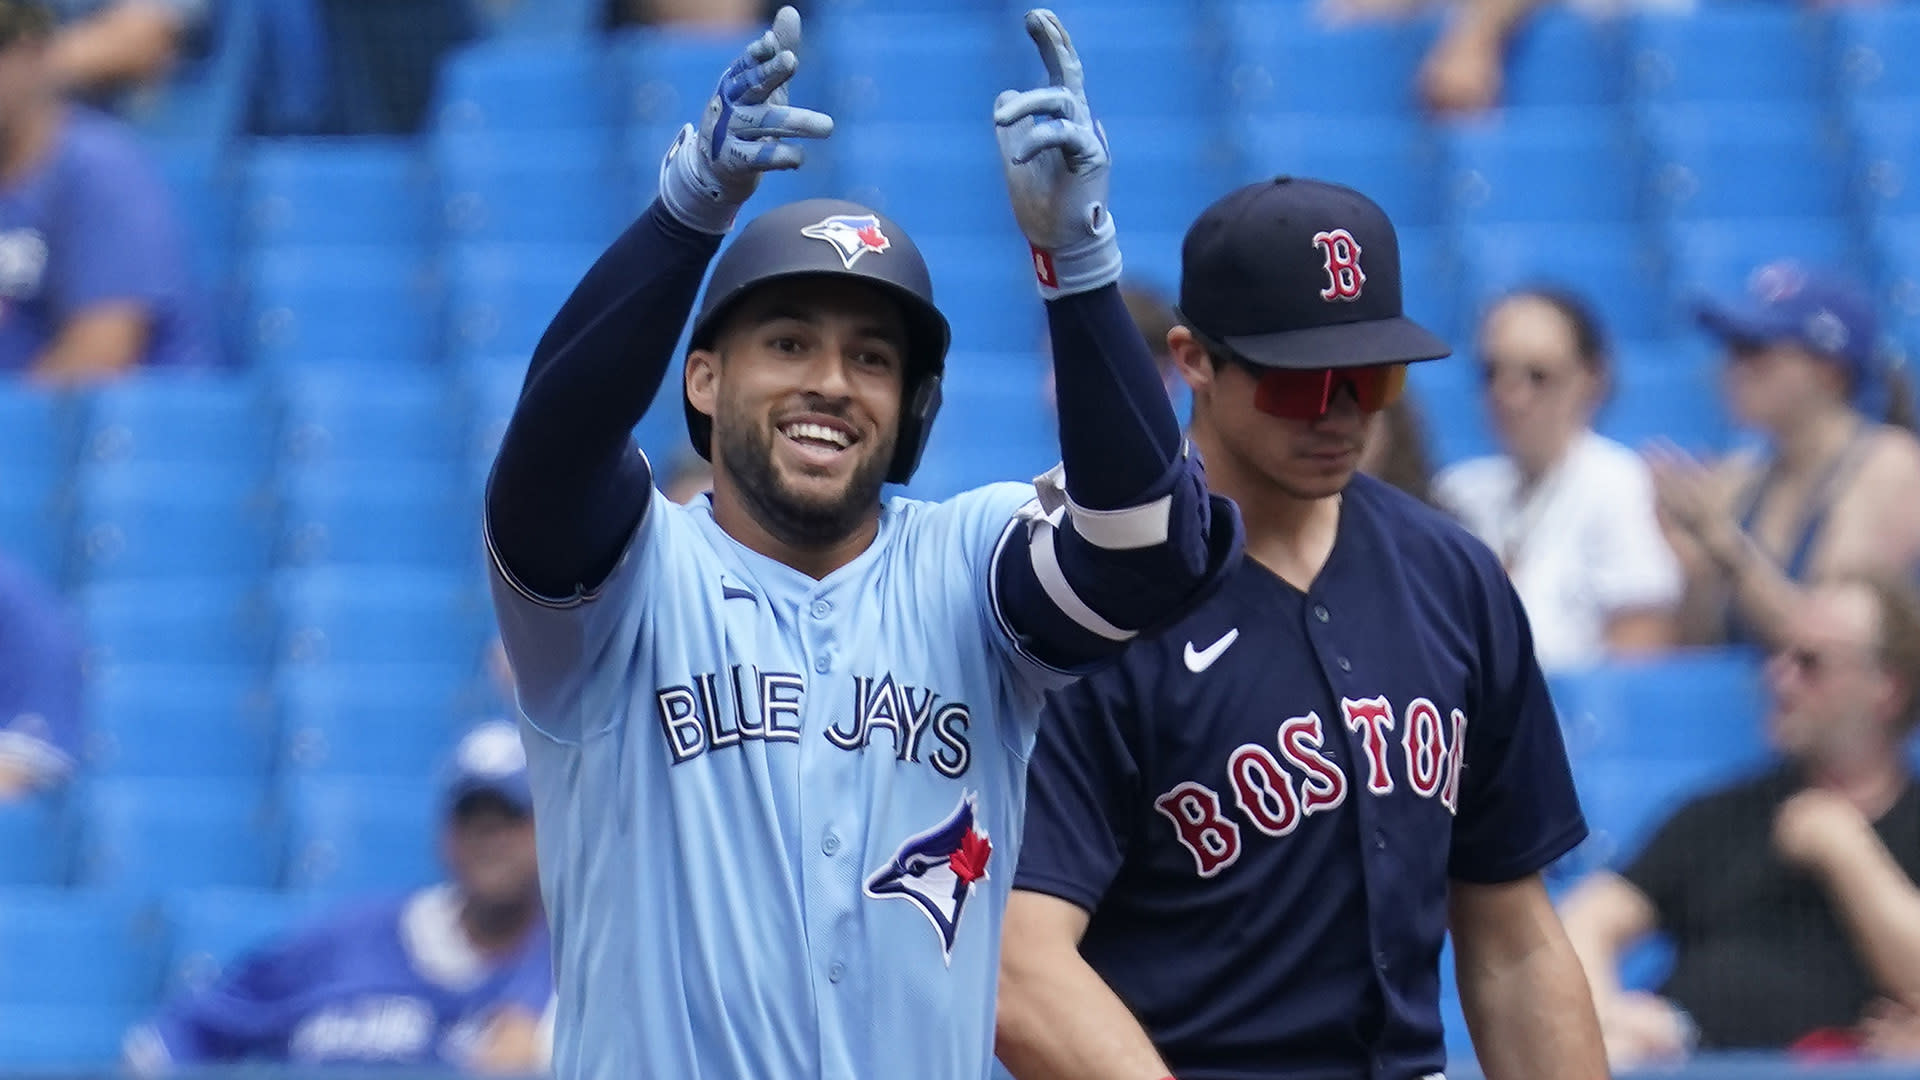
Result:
1046,567
46,761
1125,529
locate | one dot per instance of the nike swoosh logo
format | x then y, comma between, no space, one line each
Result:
1199,660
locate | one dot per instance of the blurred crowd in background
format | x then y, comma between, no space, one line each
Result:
1791,552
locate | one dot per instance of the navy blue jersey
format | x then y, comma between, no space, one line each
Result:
1263,806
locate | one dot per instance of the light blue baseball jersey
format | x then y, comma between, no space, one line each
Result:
778,816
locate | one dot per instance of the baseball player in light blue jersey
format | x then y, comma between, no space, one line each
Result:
778,737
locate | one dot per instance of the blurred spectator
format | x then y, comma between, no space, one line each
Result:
705,14
1396,449
94,277
1569,511
40,685
1833,489
104,48
1789,897
457,975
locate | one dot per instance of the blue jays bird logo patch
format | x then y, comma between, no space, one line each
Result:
936,870
852,235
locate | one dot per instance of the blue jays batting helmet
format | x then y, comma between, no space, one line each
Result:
835,238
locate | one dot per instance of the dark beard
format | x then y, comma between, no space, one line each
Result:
792,520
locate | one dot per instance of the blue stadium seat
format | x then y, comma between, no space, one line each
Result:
1724,53
1394,164
1719,256
950,179
1681,404
1896,242
200,182
1608,266
36,843
30,532
334,722
1569,172
205,97
1873,49
532,187
331,305
349,834
210,929
1290,65
530,86
1173,173
367,190
173,833
1625,800
501,298
1562,58
1447,393
877,67
380,514
1887,157
215,622
984,285
37,427
1703,165
1708,704
76,967
168,418
665,74
1144,60
150,522
354,615
343,417
989,429
180,720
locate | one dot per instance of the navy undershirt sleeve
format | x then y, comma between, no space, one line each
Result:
1119,435
569,485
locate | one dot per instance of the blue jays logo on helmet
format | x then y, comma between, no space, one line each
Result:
852,235
936,870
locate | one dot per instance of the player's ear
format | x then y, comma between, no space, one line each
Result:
1190,358
703,370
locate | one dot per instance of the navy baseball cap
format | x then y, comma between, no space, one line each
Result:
1299,273
1786,302
490,760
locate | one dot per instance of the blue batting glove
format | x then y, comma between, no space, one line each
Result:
1055,157
715,166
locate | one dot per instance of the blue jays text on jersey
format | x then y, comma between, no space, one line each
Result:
1262,807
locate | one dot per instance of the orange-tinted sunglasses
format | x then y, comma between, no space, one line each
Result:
1307,394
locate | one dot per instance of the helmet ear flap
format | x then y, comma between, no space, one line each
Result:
916,423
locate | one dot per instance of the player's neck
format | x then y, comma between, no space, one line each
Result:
1287,534
816,561
498,928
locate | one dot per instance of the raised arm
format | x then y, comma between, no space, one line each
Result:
1131,537
569,485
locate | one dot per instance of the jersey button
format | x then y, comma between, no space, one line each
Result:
836,972
831,844
1379,840
1320,612
1345,664
822,665
821,609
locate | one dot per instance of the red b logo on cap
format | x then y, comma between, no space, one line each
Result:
1344,276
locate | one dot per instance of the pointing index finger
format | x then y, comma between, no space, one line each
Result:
1056,50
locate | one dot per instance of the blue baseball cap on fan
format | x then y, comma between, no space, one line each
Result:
1825,313
490,760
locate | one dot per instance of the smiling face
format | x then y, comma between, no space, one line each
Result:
804,384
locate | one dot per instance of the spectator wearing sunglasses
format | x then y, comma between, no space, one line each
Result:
1789,896
1569,511
1833,487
